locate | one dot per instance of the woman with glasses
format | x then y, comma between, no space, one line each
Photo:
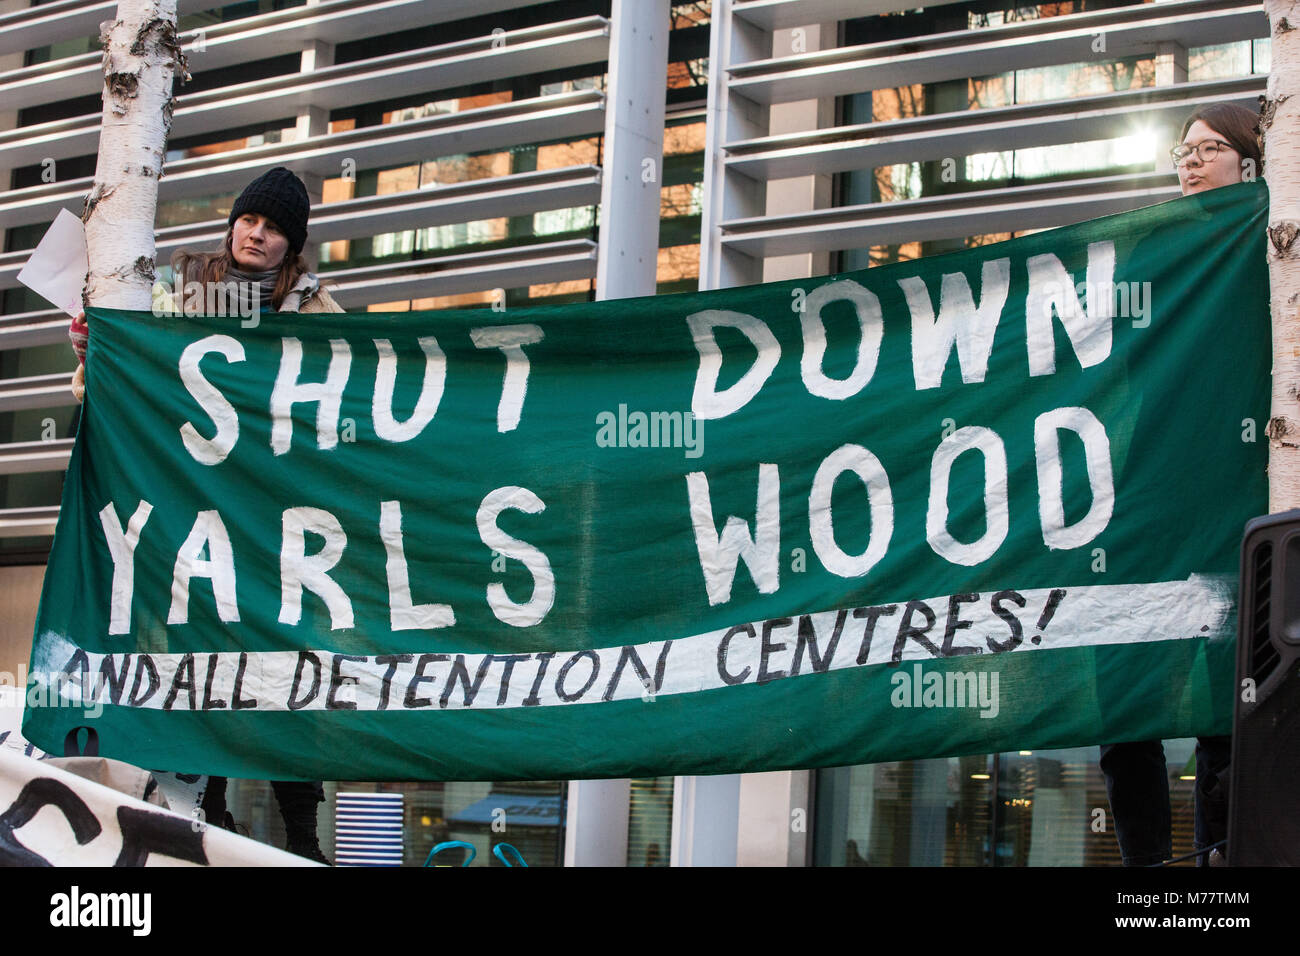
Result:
1217,147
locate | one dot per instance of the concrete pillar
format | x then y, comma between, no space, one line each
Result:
595,824
632,174
706,809
1171,63
314,121
752,819
774,818
631,178
774,813
706,820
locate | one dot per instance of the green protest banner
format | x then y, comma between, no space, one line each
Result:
982,501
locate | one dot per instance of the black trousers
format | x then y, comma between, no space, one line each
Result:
297,801
1137,783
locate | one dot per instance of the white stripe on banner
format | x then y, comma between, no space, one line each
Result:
758,652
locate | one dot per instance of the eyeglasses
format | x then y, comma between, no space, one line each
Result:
1206,151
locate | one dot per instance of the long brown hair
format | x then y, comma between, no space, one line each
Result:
1238,126
190,265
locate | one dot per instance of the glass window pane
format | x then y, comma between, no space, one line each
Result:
905,813
528,815
650,821
1031,808
1262,53
1219,62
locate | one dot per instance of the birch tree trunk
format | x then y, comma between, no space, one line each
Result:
1279,128
141,54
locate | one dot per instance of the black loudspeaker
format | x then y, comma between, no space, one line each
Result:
1264,795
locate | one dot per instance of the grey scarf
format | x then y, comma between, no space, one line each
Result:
257,288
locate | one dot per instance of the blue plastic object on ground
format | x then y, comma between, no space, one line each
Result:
499,851
454,843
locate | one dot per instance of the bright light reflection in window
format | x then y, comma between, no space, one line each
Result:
1136,149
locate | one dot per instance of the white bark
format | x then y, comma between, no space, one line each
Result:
140,56
1280,135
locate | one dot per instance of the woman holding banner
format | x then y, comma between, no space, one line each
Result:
260,261
260,258
1218,147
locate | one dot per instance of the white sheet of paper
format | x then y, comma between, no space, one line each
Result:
57,269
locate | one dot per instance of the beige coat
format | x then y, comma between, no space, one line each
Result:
322,301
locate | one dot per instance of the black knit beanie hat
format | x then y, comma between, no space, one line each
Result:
280,196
